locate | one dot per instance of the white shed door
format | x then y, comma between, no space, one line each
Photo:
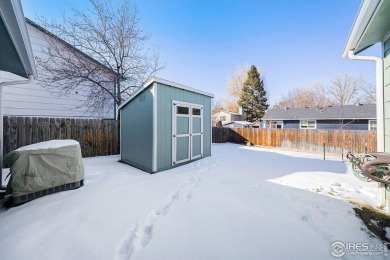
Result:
187,132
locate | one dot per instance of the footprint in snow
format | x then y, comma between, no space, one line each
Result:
139,236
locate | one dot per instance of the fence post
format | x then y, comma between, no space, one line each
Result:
365,148
324,150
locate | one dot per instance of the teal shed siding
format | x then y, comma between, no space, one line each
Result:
165,96
386,97
137,131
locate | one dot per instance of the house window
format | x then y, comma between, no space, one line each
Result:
222,118
277,124
308,124
371,125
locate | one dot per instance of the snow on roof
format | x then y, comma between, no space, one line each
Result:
53,144
240,122
230,112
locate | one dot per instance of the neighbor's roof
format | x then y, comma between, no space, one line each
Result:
229,112
15,53
367,111
240,123
371,25
43,30
165,82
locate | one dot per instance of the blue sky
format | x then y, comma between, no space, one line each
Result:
293,43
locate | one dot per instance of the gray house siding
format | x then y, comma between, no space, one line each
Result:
165,95
386,84
137,133
360,124
291,124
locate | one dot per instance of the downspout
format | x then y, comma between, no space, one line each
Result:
3,84
380,134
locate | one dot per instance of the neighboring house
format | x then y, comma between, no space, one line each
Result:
353,117
239,124
34,100
226,117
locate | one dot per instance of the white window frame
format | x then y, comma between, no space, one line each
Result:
307,124
276,123
369,125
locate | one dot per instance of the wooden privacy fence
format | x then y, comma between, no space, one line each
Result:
336,141
97,137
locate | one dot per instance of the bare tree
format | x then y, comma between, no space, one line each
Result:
312,95
346,89
343,90
369,94
100,53
217,105
234,89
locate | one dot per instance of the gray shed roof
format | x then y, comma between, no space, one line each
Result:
367,111
165,82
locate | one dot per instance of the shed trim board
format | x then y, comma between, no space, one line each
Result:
154,157
190,134
165,82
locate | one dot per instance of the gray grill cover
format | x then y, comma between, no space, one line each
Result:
40,169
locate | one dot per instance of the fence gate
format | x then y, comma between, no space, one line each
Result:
187,131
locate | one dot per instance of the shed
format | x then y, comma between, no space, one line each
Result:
164,125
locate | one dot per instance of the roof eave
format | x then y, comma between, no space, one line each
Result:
68,45
12,15
165,82
363,18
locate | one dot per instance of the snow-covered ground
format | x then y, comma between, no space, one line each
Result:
240,203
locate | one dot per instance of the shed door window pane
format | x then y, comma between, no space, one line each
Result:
222,118
182,125
196,111
182,148
308,124
372,125
182,110
196,125
196,145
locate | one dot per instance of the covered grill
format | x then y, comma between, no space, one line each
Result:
44,168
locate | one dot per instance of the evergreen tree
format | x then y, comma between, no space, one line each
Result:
253,98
